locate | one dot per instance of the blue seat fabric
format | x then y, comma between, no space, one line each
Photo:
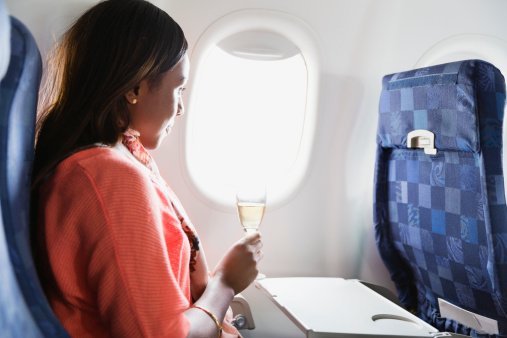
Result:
24,311
440,221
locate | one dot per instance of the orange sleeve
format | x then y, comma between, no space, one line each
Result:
114,248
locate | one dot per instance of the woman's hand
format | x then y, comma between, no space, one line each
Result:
238,267
235,271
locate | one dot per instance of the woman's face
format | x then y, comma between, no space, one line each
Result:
158,104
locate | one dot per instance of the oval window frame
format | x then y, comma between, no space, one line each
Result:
294,30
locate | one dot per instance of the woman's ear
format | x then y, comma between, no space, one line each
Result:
131,95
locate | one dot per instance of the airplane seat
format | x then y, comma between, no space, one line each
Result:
24,310
439,212
5,33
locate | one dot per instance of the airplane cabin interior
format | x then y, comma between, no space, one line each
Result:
373,127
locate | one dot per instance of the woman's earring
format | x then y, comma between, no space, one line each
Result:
134,101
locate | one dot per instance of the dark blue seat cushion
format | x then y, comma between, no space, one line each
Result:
440,221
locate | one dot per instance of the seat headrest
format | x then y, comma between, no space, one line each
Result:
449,100
5,38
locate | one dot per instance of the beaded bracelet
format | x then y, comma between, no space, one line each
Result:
212,316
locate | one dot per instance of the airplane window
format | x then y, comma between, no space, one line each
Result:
246,118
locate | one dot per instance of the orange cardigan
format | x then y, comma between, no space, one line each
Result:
116,247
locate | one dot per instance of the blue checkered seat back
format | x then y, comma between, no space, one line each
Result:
24,311
440,220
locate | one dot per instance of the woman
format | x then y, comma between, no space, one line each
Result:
116,252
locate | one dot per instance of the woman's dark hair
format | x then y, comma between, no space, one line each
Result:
107,52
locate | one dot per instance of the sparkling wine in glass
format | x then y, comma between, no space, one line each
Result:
251,203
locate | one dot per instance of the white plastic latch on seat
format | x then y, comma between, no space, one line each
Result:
424,139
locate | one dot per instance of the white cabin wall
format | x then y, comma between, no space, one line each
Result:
320,231
47,19
311,233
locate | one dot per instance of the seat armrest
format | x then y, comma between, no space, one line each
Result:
243,318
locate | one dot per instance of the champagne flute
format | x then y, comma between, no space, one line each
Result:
251,203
